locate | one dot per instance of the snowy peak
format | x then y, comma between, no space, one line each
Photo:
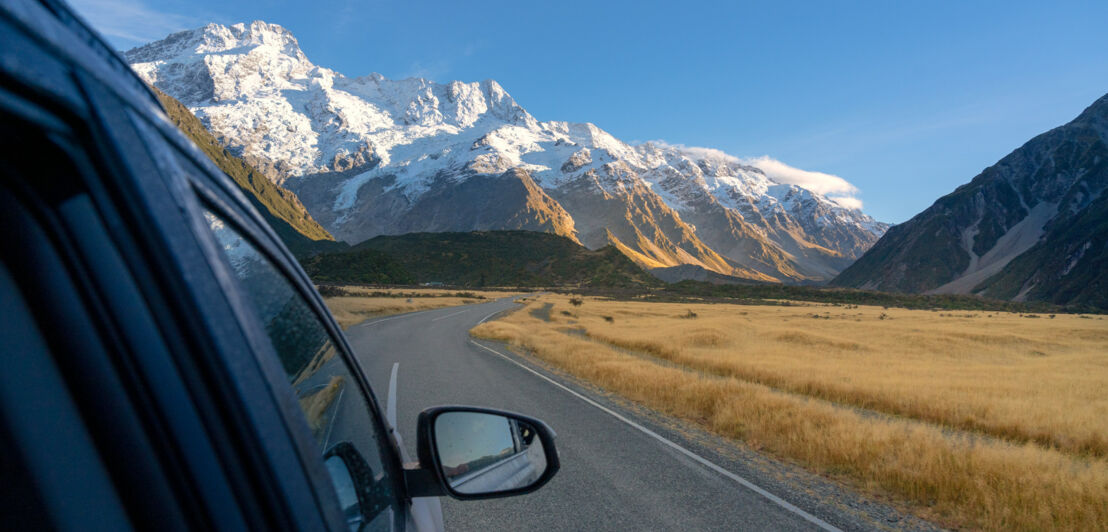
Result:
264,58
417,101
369,155
217,38
223,63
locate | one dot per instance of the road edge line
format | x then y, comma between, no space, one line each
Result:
450,315
701,460
486,318
390,318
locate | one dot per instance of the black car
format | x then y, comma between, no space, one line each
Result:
166,362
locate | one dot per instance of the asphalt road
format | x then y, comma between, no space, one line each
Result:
614,476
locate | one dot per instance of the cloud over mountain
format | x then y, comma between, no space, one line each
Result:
834,187
827,184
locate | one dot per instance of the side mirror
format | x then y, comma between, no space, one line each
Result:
346,489
478,453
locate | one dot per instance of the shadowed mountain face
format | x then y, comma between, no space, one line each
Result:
1034,226
370,156
280,207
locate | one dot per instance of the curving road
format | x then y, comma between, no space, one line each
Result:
620,470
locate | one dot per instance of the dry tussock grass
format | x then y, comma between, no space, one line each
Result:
429,292
988,433
1038,380
351,310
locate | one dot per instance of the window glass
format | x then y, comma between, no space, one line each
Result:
336,410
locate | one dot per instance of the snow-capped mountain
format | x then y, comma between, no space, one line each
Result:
371,156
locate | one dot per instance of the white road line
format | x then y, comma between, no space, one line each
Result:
449,315
703,461
390,408
334,413
365,323
483,320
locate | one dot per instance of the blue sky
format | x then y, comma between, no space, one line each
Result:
906,100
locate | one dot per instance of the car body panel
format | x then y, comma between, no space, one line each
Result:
48,55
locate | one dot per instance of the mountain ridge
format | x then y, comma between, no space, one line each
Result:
371,156
1030,227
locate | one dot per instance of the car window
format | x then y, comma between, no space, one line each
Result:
337,411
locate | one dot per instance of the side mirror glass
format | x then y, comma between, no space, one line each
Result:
346,489
362,495
480,453
487,453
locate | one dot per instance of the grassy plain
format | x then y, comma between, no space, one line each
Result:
976,419
358,304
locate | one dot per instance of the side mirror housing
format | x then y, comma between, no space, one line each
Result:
470,452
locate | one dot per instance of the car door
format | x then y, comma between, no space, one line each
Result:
300,351
336,404
104,423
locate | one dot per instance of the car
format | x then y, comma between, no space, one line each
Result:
167,364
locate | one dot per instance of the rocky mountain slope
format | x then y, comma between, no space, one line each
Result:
280,207
1034,226
371,156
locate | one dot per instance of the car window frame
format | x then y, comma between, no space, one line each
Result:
221,207
156,149
80,229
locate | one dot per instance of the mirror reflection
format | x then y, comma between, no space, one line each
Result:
345,489
488,453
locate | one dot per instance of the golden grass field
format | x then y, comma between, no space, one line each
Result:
360,306
978,420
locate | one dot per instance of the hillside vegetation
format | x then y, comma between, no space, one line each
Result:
480,258
357,266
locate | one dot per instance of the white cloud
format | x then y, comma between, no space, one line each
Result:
708,153
130,23
832,186
820,182
847,202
